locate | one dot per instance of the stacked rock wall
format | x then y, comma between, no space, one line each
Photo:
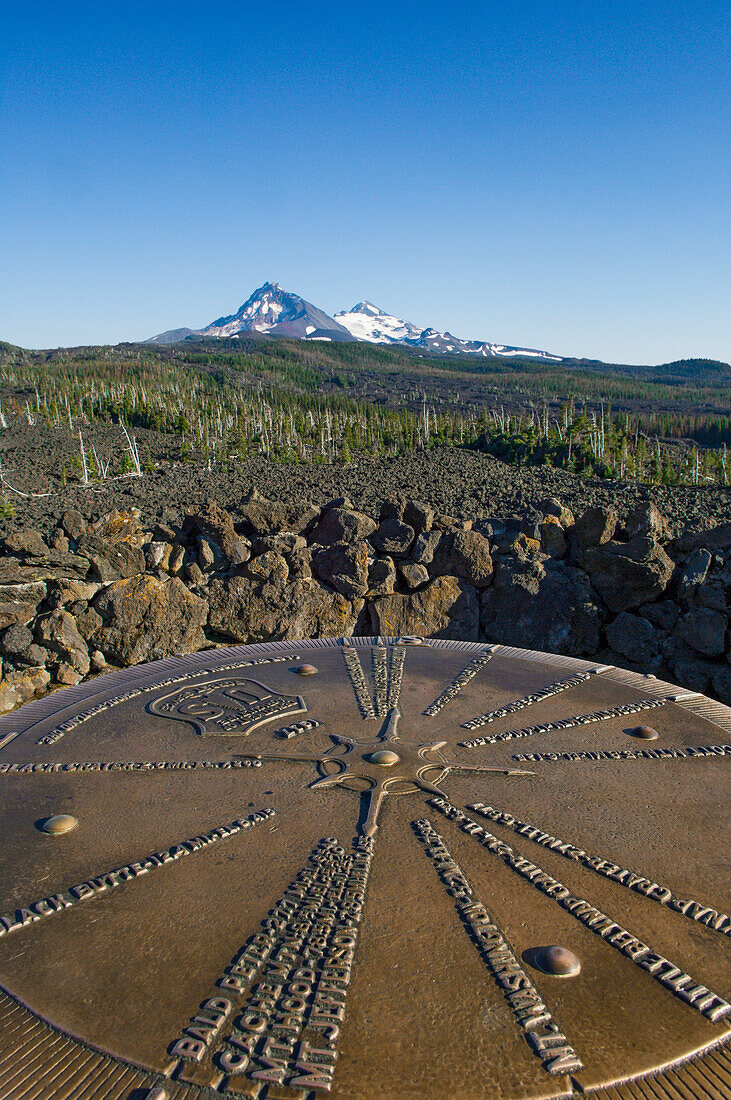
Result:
112,593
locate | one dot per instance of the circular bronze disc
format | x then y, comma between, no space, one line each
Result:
356,909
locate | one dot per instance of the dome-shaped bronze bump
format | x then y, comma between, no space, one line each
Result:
645,733
59,824
385,757
556,960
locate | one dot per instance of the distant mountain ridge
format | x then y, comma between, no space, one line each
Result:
278,312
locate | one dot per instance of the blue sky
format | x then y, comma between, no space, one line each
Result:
554,174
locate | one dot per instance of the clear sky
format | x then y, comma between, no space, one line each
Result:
553,174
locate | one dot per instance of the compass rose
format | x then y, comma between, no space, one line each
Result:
381,765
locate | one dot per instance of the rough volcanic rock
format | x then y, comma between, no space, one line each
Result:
264,517
73,524
694,572
464,554
344,566
146,619
111,561
627,575
27,543
418,515
218,541
595,527
704,631
553,539
342,525
19,602
119,528
413,574
393,537
64,591
17,687
556,509
424,547
248,609
57,633
646,519
633,637
663,615
381,577
447,608
541,606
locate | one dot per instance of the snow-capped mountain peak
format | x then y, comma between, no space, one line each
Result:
277,312
367,322
280,313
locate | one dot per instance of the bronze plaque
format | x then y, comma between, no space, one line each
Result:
366,867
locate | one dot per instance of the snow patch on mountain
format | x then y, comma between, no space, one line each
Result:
276,312
367,322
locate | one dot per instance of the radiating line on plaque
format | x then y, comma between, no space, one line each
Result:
358,681
82,766
275,1012
662,895
109,880
530,700
540,1030
671,977
460,681
575,720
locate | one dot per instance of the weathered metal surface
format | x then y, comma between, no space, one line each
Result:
466,874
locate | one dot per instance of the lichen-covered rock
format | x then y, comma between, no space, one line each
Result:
344,566
413,574
555,509
146,619
446,608
464,554
595,527
119,527
20,686
553,539
627,575
19,602
111,561
248,609
547,606
57,633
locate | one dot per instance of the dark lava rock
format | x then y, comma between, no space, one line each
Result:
633,637
627,575
393,537
541,606
111,561
344,566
